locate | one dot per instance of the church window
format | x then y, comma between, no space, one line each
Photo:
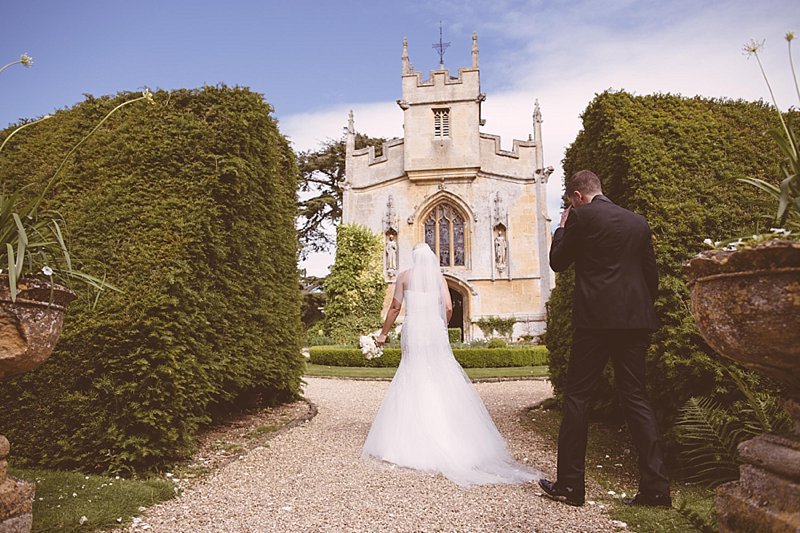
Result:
444,233
441,123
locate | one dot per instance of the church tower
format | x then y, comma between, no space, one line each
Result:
441,121
480,208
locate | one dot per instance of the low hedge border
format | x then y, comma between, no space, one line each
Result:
467,357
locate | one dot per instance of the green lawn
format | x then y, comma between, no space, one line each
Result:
63,498
388,373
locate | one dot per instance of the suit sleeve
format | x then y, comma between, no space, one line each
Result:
566,243
650,268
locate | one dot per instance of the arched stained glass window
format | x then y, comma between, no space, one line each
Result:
444,233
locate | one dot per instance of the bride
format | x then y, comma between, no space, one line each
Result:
432,419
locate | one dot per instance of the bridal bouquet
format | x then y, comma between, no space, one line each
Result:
369,346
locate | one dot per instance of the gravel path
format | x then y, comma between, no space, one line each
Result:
311,479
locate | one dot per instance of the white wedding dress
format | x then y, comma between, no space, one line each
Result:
431,418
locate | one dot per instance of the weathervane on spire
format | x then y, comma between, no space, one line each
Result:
441,47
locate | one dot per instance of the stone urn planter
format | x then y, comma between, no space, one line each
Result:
29,327
29,330
746,304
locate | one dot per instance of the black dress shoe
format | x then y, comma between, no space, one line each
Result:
561,494
649,500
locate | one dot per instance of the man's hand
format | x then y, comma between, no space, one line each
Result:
380,340
564,216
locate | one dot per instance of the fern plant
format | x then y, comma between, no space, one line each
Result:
710,433
705,522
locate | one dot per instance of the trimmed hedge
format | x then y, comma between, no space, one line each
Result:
190,203
454,334
467,357
672,160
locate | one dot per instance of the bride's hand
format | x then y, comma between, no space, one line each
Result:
380,340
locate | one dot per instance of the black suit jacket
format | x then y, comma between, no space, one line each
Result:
616,279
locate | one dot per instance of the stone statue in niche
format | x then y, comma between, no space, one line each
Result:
500,250
391,255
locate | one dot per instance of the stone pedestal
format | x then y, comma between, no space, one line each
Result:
766,498
16,498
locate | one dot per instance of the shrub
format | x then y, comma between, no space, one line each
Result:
318,340
669,158
349,356
467,357
491,324
454,334
190,203
496,343
355,287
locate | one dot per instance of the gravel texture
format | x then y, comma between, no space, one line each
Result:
310,478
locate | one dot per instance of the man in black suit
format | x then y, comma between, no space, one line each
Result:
616,282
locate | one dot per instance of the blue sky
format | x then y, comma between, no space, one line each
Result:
315,60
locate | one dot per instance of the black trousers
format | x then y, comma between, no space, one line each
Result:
591,349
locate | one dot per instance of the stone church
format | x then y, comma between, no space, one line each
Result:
481,209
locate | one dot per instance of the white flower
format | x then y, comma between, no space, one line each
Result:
26,60
83,520
148,95
733,246
709,242
47,271
369,347
753,47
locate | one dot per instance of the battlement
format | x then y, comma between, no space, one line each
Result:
515,149
369,152
440,87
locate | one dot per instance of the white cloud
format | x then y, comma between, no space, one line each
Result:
308,131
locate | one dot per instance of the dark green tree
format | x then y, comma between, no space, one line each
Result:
321,179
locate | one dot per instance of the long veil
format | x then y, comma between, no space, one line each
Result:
425,276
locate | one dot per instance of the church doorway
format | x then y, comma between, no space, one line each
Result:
457,320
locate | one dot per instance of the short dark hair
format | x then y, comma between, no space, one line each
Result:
584,181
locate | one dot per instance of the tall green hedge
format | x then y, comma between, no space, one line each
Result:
672,160
190,204
355,287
